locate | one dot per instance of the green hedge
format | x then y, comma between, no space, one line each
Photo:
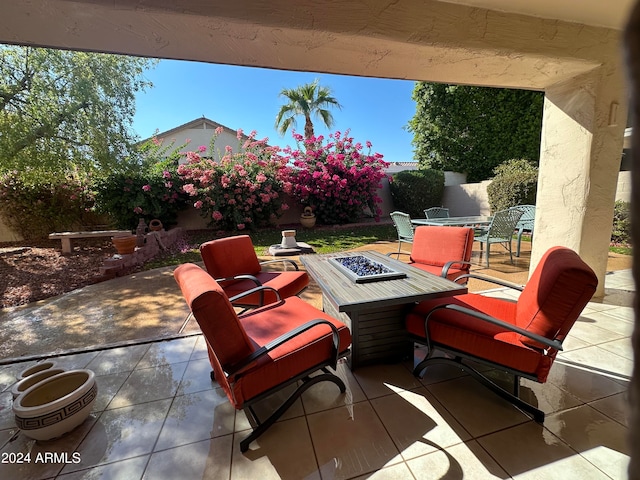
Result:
515,183
621,232
413,191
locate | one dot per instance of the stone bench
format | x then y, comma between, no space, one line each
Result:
68,237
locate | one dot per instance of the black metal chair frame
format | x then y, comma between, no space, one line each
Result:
261,426
457,357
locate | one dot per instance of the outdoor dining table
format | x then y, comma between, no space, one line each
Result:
469,221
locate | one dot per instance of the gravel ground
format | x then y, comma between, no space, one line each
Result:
40,270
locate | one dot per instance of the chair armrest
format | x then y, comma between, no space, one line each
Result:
284,260
497,281
251,359
260,289
398,253
487,318
240,277
447,266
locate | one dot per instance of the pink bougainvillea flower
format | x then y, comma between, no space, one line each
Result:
146,187
166,174
219,130
241,226
217,216
137,210
202,148
198,204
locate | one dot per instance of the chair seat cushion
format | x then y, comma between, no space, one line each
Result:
288,284
301,353
476,337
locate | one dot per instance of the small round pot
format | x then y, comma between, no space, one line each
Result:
125,245
308,218
38,367
56,405
25,383
155,225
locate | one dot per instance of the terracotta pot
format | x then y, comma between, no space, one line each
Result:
125,245
155,225
56,405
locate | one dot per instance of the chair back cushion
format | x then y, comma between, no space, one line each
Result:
557,292
226,338
436,246
230,256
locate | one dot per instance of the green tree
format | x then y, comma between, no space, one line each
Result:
474,129
63,113
307,100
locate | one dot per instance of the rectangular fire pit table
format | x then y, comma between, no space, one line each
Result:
375,310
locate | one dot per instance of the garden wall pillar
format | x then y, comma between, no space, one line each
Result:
582,140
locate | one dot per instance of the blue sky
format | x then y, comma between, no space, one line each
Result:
242,97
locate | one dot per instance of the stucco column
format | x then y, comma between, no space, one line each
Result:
582,140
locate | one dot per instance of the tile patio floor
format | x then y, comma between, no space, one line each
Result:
159,416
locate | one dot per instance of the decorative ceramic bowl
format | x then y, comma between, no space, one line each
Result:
31,380
56,405
38,367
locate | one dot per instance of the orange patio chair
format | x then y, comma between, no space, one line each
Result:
521,338
443,251
233,262
255,354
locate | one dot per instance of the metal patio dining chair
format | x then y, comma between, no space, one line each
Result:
525,224
436,212
402,222
500,231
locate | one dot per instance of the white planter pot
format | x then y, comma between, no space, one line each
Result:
38,367
56,405
32,379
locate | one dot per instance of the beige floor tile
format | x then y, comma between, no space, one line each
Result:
399,471
206,460
283,451
530,451
197,377
582,382
614,320
478,409
379,380
79,360
149,384
588,331
108,387
116,360
351,441
172,351
601,361
195,417
199,349
326,395
39,465
121,433
615,407
601,440
620,347
546,396
573,343
417,423
466,460
267,406
131,469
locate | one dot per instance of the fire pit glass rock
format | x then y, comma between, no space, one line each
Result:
362,269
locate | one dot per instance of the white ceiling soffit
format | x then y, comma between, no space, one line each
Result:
599,13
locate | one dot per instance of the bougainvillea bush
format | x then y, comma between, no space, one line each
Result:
335,178
150,189
243,190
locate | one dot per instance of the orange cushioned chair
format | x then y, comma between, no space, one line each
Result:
258,353
233,262
443,251
521,338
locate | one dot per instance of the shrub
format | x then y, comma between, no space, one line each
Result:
243,190
336,179
515,183
415,190
34,210
621,232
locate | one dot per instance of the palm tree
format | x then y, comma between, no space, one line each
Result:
309,99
